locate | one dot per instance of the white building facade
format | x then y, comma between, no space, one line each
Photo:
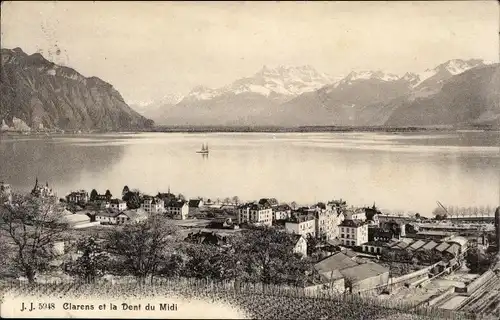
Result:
353,232
255,213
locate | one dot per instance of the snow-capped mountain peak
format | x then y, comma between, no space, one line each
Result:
447,69
456,66
367,75
283,80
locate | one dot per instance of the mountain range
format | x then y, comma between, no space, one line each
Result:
453,93
36,93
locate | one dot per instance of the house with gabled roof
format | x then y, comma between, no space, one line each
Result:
118,204
195,206
111,217
178,209
153,205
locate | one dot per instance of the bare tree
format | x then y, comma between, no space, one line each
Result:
141,247
236,200
32,225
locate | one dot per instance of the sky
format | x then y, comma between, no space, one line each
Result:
147,50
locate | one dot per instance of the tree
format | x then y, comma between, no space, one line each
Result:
236,200
213,262
439,213
108,195
268,257
478,261
125,190
181,197
33,226
226,201
92,264
312,244
93,195
133,200
141,247
293,205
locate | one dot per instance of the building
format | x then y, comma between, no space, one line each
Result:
432,235
357,277
111,217
300,246
327,222
6,191
374,247
365,276
195,206
80,196
356,214
353,232
379,234
281,212
304,225
118,204
254,213
270,202
42,191
178,209
335,262
223,223
153,205
135,216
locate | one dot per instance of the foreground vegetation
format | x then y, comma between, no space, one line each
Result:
255,301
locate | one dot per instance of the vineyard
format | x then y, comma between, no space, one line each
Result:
255,301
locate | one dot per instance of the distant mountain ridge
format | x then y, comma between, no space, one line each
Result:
295,96
43,94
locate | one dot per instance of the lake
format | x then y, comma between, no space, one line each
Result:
399,172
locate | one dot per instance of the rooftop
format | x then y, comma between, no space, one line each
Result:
194,203
110,214
176,204
363,271
300,218
351,223
336,261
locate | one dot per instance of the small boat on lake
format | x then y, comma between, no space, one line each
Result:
204,149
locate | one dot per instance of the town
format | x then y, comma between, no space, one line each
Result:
351,250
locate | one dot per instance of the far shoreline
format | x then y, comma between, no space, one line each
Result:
261,129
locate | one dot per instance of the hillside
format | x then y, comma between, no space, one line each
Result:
42,94
472,97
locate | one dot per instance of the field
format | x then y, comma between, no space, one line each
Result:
252,301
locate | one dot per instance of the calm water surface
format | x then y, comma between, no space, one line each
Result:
406,172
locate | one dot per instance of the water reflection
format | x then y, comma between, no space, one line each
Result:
397,171
64,165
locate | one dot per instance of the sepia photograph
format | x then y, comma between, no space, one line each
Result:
250,160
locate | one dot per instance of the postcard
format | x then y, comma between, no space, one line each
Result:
250,160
